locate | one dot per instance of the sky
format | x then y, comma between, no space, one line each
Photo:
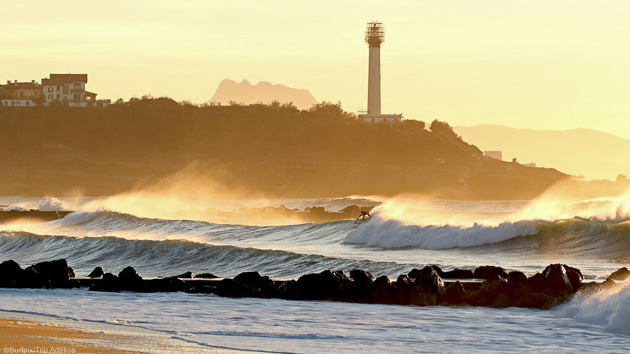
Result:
538,64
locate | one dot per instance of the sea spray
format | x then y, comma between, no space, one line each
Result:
608,308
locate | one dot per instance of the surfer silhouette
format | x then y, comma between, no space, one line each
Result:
364,214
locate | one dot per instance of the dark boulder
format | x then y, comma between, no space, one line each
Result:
71,273
287,289
206,276
491,289
518,284
232,288
575,277
10,274
52,274
620,274
130,280
361,283
535,301
169,284
487,272
185,275
427,286
458,274
259,286
327,285
402,286
96,273
454,294
382,291
109,282
556,281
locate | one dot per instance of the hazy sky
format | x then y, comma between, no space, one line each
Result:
542,64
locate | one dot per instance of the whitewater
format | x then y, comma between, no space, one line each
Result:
165,236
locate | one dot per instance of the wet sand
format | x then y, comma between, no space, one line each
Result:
36,334
17,336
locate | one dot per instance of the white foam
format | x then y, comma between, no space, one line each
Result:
395,234
608,308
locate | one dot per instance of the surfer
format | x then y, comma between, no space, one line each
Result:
364,214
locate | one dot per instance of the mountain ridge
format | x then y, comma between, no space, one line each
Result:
263,92
591,153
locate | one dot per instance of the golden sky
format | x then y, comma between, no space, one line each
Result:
541,64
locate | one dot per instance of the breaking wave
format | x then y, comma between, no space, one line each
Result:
610,239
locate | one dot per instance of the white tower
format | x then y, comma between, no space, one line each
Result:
374,36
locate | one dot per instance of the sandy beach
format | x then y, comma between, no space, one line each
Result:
18,336
38,334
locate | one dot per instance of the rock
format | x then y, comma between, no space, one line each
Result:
109,282
258,285
536,283
169,284
327,285
518,284
575,277
620,274
185,275
382,291
52,274
487,272
402,287
458,274
96,273
361,283
232,288
454,294
287,290
130,280
490,291
71,273
556,281
206,276
536,301
10,274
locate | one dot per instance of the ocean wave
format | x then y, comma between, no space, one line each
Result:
153,258
608,309
395,234
579,236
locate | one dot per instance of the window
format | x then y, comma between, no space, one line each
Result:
27,103
51,89
50,97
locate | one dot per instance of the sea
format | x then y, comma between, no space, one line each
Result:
166,235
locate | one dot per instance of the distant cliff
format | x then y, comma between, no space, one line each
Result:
581,152
263,92
270,150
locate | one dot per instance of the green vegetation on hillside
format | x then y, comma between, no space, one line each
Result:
274,149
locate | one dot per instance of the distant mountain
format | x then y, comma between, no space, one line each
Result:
580,152
262,92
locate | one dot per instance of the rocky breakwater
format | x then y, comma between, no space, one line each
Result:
485,286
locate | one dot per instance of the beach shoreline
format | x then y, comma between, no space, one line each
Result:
29,333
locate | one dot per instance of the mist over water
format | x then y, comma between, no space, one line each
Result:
164,234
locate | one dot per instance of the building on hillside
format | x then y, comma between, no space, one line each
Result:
69,89
375,36
497,155
20,94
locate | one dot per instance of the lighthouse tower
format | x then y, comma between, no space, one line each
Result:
375,36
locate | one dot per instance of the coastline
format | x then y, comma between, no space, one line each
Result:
29,333
22,336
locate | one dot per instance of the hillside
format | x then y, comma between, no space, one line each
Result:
274,150
263,92
581,152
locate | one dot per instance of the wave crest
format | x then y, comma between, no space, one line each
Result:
395,234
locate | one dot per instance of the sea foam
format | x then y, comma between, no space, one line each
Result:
608,308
